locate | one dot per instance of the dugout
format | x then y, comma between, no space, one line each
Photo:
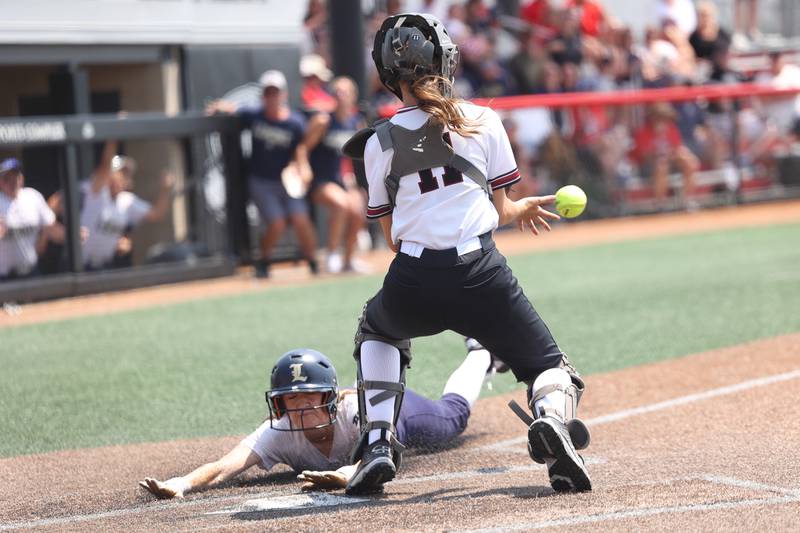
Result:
203,235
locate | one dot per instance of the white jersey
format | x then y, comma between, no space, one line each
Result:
445,215
106,219
294,449
23,218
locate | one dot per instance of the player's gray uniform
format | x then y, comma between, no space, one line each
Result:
23,218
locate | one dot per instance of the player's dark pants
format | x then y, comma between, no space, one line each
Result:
475,295
425,423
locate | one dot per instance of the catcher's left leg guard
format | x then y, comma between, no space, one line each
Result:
381,458
554,432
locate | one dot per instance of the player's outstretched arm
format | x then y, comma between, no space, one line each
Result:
327,479
164,201
234,463
528,212
102,172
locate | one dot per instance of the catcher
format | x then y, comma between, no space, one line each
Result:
313,426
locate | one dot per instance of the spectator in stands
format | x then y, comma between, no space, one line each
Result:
279,171
109,210
542,17
528,64
315,24
681,12
455,22
345,201
658,149
782,110
25,220
662,59
478,16
567,47
590,14
745,22
316,75
708,38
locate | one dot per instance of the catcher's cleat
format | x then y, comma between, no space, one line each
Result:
496,366
375,469
549,438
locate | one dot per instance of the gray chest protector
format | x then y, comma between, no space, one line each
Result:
414,150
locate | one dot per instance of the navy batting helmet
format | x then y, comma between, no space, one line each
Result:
412,45
298,371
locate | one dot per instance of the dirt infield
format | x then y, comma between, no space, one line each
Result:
702,443
511,242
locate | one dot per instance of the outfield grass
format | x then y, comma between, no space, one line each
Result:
200,368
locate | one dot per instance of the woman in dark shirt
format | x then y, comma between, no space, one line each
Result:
331,187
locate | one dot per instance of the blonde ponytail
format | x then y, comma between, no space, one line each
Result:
444,110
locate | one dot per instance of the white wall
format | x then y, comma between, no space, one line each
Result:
151,21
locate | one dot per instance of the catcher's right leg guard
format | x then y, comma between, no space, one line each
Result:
379,459
554,433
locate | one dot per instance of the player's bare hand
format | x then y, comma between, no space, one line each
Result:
325,480
163,490
124,245
2,227
534,216
167,180
220,106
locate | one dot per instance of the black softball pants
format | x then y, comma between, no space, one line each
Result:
475,295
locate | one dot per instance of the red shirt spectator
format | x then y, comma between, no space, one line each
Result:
538,14
592,16
659,138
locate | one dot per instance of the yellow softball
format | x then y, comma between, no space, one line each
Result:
570,201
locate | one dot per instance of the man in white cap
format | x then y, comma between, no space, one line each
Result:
279,171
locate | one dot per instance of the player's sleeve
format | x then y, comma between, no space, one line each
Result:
501,166
137,210
46,215
264,442
376,167
248,115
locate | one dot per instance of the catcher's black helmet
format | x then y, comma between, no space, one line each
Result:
411,45
302,370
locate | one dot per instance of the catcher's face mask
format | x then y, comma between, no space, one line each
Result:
304,410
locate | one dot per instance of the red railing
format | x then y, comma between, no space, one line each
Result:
623,98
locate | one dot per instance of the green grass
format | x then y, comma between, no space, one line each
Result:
200,368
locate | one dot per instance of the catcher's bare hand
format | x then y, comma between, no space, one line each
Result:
326,480
534,215
163,490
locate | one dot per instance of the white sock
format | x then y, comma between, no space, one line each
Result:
379,362
467,379
556,400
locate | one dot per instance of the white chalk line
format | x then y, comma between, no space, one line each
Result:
639,513
751,485
660,406
154,506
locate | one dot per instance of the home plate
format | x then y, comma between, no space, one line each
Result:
292,501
